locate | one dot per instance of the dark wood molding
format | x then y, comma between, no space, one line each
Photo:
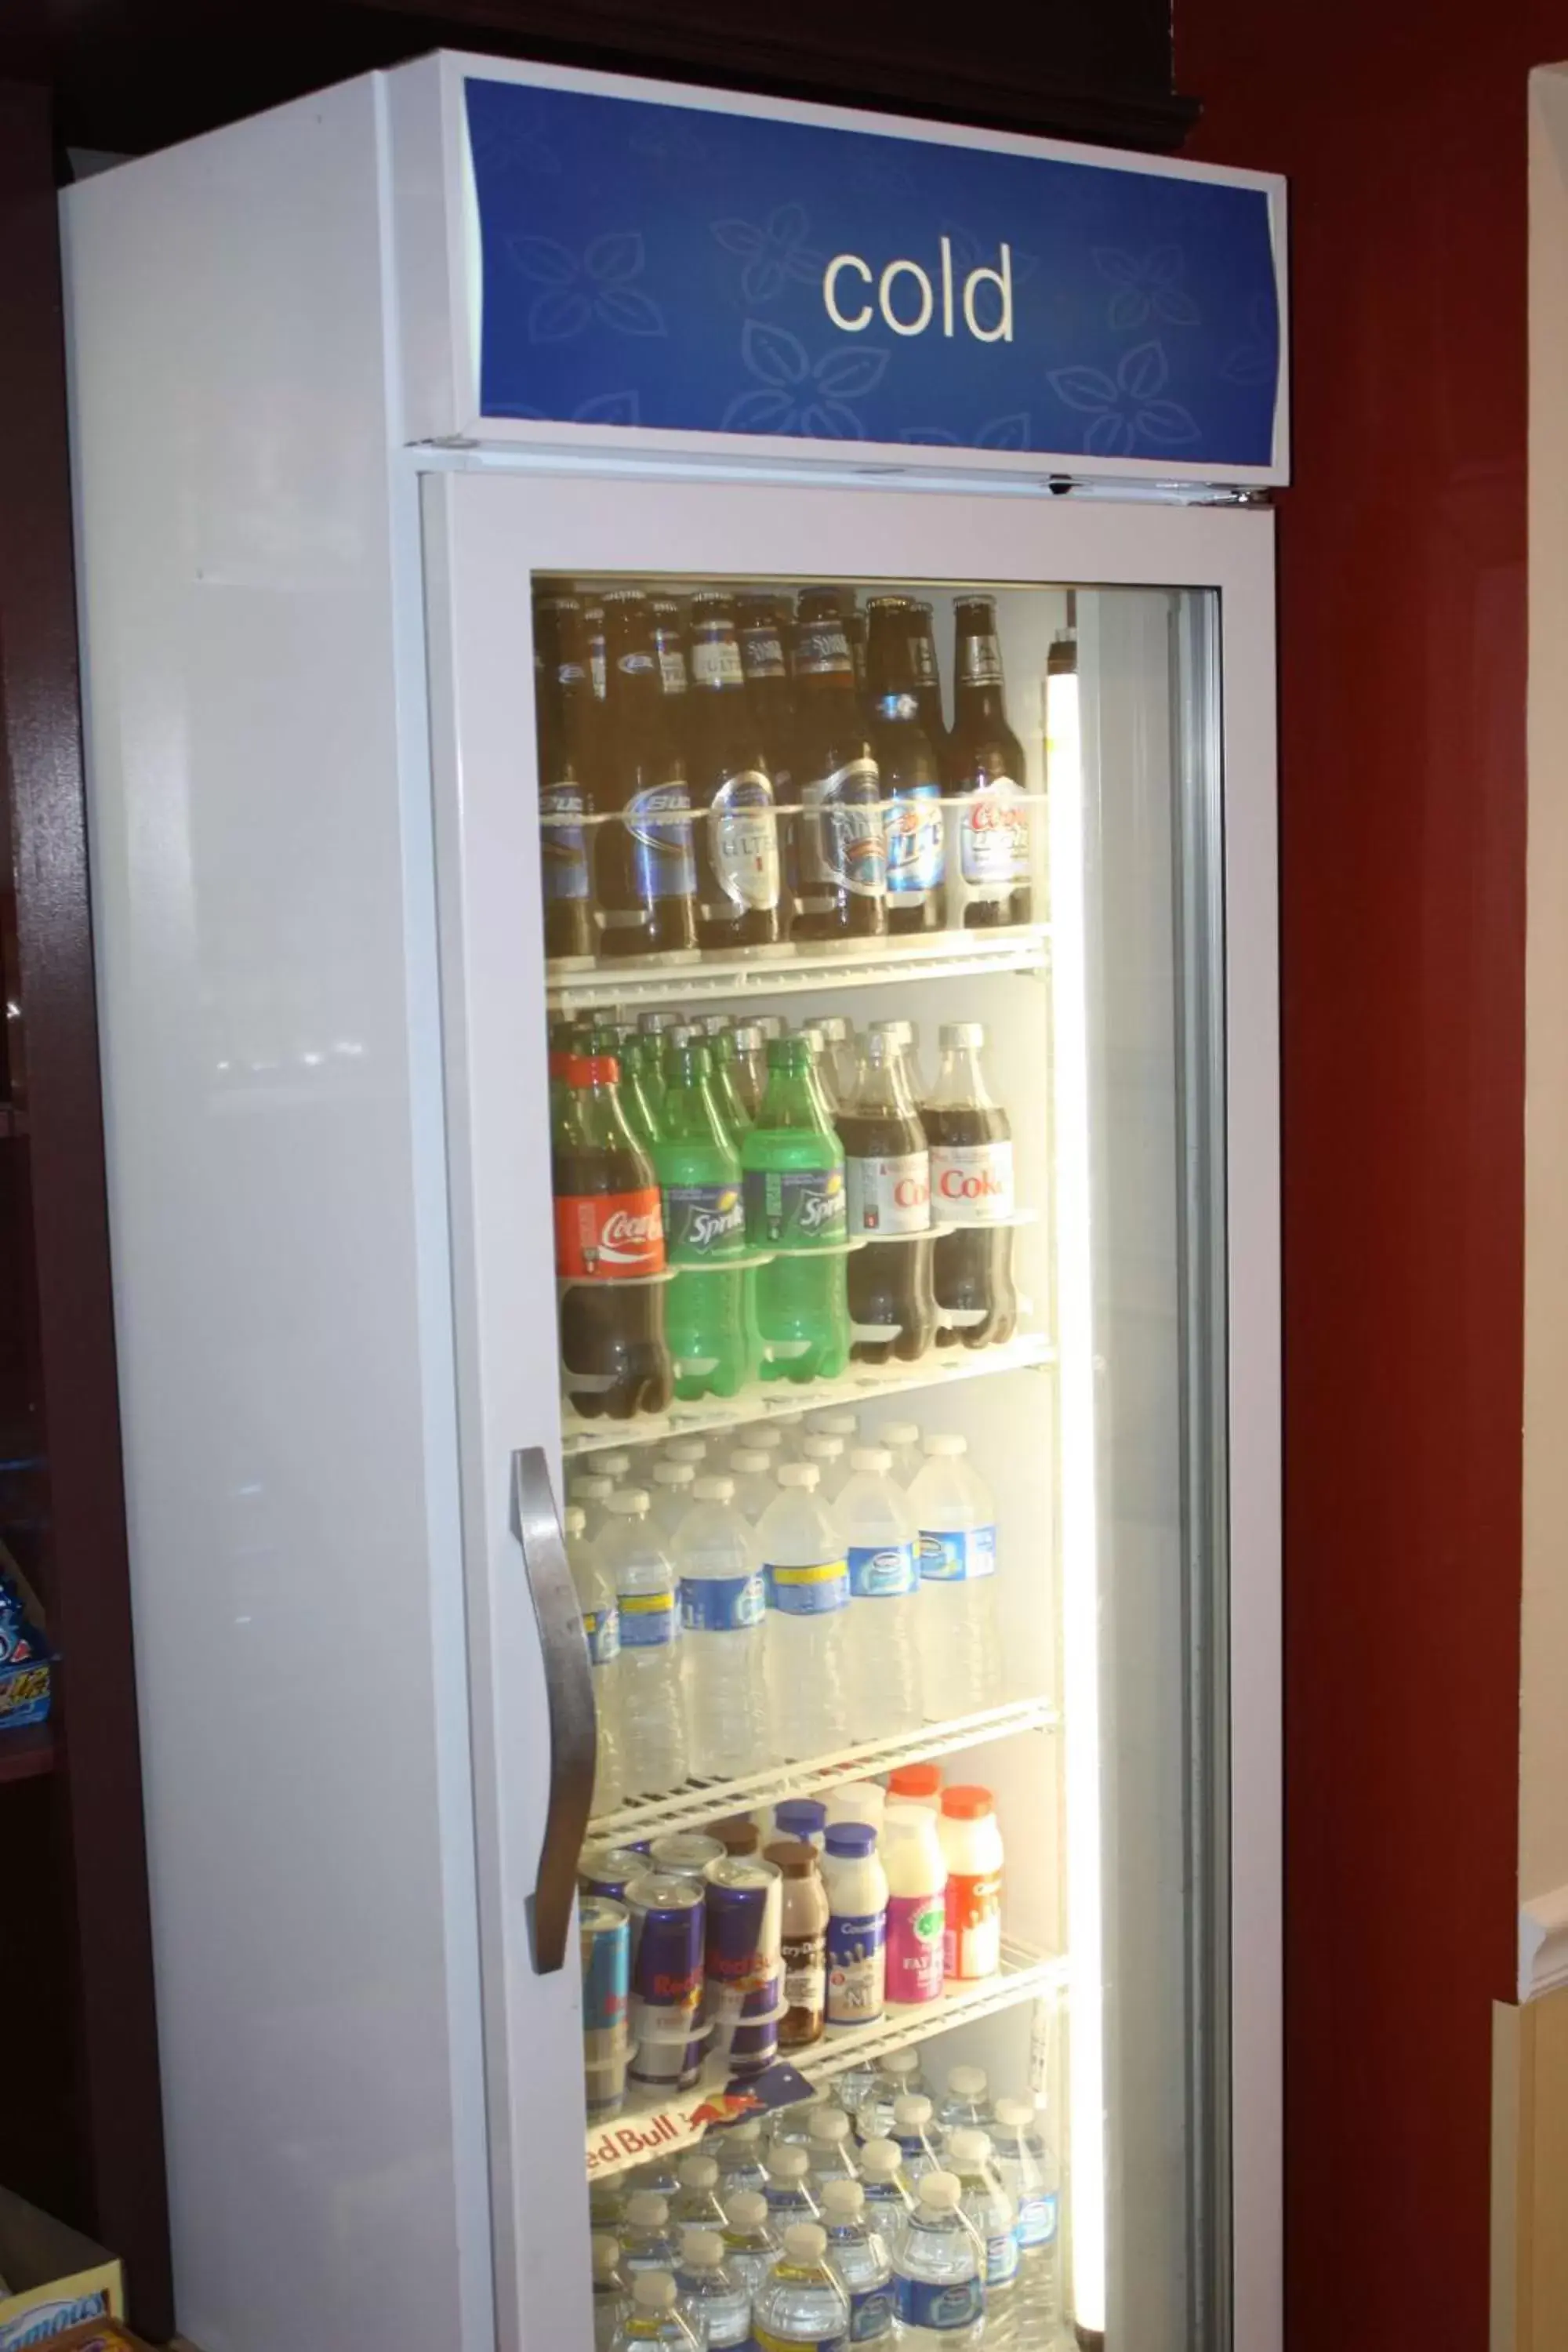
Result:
101,1851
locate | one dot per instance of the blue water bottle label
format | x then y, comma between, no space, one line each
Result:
720,1604
702,1222
871,2314
937,2304
956,1556
1001,2259
663,860
563,848
648,1621
813,1592
914,839
1037,2218
882,1572
603,1628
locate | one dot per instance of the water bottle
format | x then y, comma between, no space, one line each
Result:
697,2204
832,1465
752,1470
896,2075
994,2217
653,1723
789,2192
881,2178
939,2293
912,2131
686,1449
601,1630
857,2252
715,2303
671,1500
652,2318
610,2289
607,2202
961,1644
802,2303
739,2149
1026,2166
902,1440
751,2243
966,2100
882,1633
648,2242
590,1493
827,2147
808,1590
723,1612
616,1467
658,2174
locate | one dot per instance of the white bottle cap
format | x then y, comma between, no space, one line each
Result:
798,1473
687,1449
903,2061
765,1441
901,1432
836,1424
880,2159
806,2241
748,2210
646,2209
627,1502
870,1457
845,2197
968,2147
673,1474
713,1490
573,1519
748,1459
961,1033
788,2163
701,2249
818,1447
613,1466
946,1443
744,2135
592,1490
697,2172
606,2252
966,2082
655,2290
940,2191
1014,2115
829,2124
913,2110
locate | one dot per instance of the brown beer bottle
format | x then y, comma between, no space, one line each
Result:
674,680
839,846
644,865
988,862
928,678
737,883
907,763
564,711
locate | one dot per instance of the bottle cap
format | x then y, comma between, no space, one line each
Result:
747,1037
646,2209
697,2172
901,2062
687,1449
880,2159
845,2197
916,1780
852,1840
798,1473
712,1490
913,2110
749,1459
655,2290
737,1834
967,1805
627,1502
836,1424
674,1474
806,2241
765,1441
788,2163
945,1445
701,2249
901,1432
613,1466
748,2210
940,2191
606,2252
967,2082
829,2124
955,1034
968,2146
870,1457
590,1069
573,1519
790,1857
1014,2115
820,1448
593,1490
746,2133
801,1817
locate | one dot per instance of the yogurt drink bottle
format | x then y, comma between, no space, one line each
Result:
856,1926
971,1845
917,1906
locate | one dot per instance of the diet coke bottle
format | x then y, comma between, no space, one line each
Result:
971,1189
609,1247
892,1306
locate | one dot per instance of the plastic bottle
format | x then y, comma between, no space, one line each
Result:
828,1452
792,1165
993,2216
724,1608
698,1171
612,1464
857,2252
805,1817
750,1066
669,1500
961,1640
606,2204
971,1846
914,2132
808,1590
610,2289
590,1492
755,1483
652,1724
916,1784
881,2178
938,2288
609,1249
789,2191
857,1801
917,1906
963,2103
648,2242
856,1926
652,2318
828,2145
751,2244
896,2076
602,1632
686,1449
902,1440
838,1042
723,1082
883,1632
971,1188
835,1420
714,2301
1028,2168
802,2302
738,2151
697,2204
770,1440
892,1303
803,1932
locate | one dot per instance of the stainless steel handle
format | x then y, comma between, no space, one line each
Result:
569,1702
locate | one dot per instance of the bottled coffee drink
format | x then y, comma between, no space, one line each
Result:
887,1171
839,845
609,1242
972,1188
988,864
645,868
906,764
565,713
738,874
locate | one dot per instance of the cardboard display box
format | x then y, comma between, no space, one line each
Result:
98,2335
55,2278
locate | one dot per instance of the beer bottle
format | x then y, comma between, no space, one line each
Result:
928,679
988,864
643,866
737,838
854,637
764,662
669,644
841,880
907,762
564,710
594,626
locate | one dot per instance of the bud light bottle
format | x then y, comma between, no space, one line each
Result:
609,1247
738,877
793,1166
840,847
698,1173
643,866
988,863
565,712
906,764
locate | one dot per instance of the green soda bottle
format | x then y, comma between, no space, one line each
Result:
698,1172
639,1099
722,1078
793,1171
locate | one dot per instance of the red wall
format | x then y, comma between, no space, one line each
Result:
1402,125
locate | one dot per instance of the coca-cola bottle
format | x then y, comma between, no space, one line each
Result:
565,712
738,879
906,764
971,1189
840,851
988,859
643,866
609,1243
887,1171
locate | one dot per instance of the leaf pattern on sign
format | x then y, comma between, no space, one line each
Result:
1147,285
1254,361
580,291
775,252
1128,407
802,396
969,253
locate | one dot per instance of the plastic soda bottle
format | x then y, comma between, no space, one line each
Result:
882,1544
938,2261
653,2319
602,1630
857,2252
808,1590
792,1165
653,1729
716,2304
723,1609
960,1639
802,2302
705,1230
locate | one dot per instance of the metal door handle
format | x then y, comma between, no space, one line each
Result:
569,1703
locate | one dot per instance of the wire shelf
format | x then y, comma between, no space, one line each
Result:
642,985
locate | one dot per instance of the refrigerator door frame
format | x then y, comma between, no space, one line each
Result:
492,983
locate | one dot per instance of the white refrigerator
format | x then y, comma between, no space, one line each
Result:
351,384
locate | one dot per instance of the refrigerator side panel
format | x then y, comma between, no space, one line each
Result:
266,939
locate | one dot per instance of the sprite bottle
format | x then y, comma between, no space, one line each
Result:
705,1228
794,1170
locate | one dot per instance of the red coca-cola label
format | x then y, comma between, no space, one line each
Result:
606,1236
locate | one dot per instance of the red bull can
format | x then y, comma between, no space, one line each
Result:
603,1869
604,1930
743,1961
665,2037
685,1853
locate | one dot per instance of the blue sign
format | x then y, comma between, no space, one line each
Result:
674,267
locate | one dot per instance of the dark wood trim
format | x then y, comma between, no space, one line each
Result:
24,1755
117,2091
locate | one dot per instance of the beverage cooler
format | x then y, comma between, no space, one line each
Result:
679,715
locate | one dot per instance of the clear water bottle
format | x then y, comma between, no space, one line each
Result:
835,1420
602,1629
1026,2164
607,2202
827,2147
753,1471
994,2217
913,2130
808,1591
648,2242
831,1460
616,1467
751,2243
724,1613
858,2253
802,2303
652,2318
715,2303
590,1491
658,2174
882,1630
653,1725
896,2075
882,2179
902,1440
789,2191
692,1450
961,1641
696,2203
939,2291
610,2289
739,2151
966,2100
671,1499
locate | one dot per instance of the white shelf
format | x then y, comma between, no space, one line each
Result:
862,1384
709,1801
643,984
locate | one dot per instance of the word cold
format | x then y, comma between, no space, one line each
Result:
909,300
